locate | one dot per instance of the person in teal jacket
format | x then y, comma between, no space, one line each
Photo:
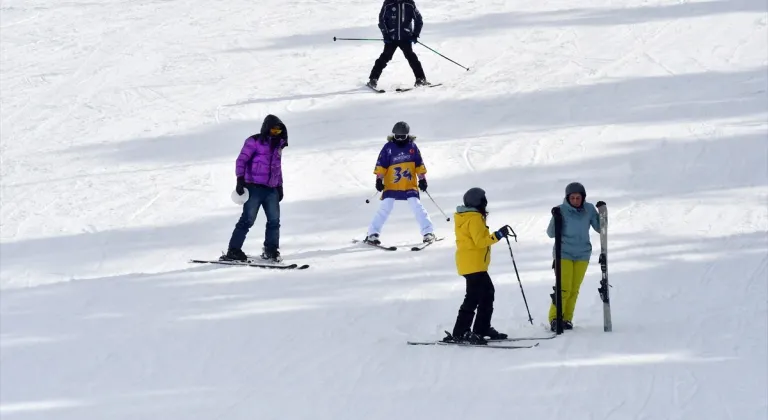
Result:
576,248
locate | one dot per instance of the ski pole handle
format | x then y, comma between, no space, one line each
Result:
513,234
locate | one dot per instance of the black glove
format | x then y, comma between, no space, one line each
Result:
503,232
240,185
414,38
423,184
379,185
280,193
600,203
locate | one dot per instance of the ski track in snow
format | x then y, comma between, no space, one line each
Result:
120,127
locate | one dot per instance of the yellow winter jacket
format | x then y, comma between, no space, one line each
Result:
473,241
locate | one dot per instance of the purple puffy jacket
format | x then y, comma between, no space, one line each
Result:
260,160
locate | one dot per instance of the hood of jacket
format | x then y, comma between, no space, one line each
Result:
464,214
271,121
466,209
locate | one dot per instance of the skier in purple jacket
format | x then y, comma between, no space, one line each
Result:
259,170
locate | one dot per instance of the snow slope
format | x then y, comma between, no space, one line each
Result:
121,122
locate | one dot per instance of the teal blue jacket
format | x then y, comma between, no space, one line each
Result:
576,244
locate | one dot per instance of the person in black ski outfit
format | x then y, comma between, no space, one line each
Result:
396,22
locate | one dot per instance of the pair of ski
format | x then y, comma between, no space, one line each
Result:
394,248
492,344
255,262
377,90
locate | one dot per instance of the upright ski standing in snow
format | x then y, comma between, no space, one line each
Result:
557,296
604,285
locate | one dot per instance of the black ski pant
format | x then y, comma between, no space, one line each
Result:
389,50
480,294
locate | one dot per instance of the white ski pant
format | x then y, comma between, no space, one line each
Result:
386,207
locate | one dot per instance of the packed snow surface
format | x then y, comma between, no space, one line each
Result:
121,122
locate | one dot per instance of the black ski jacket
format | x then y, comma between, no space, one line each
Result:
397,18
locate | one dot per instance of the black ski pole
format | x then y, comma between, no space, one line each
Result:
368,200
443,56
514,235
357,39
447,219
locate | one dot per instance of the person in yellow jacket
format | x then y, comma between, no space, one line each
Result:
473,257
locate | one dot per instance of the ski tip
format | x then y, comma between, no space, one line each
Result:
421,343
426,244
408,89
385,248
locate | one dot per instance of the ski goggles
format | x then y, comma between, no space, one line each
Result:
275,131
400,137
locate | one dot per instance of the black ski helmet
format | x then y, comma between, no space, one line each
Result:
401,131
475,197
575,188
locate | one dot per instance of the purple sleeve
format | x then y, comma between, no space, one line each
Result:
419,163
246,153
418,159
383,161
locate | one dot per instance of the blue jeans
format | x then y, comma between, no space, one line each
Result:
259,196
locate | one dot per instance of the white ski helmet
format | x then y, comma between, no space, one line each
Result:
240,199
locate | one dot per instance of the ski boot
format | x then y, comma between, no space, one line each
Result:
492,334
429,237
421,82
471,338
372,239
271,255
468,337
372,83
567,325
234,254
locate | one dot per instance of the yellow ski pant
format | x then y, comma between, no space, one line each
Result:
572,274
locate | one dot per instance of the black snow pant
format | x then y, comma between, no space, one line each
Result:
389,50
480,294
